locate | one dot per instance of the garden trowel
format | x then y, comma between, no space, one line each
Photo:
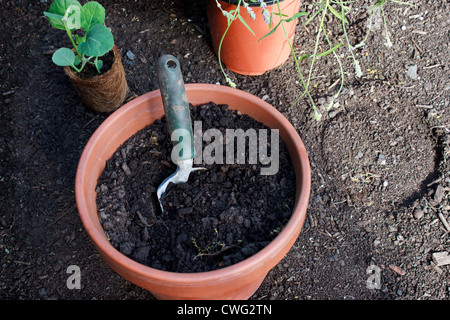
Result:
176,108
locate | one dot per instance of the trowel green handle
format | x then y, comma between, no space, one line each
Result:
176,106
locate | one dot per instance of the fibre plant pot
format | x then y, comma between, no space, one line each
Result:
105,92
238,281
241,51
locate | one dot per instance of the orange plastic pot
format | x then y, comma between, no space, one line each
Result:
241,51
238,281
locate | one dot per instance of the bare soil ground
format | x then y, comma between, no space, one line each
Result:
379,157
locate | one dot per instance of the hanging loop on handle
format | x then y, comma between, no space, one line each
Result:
176,107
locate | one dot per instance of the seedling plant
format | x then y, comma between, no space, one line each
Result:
84,25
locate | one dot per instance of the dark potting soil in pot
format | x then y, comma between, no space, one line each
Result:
90,70
221,216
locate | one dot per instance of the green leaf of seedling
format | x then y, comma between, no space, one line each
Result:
92,13
337,14
72,17
55,20
323,54
313,16
79,39
59,7
297,15
98,64
280,14
99,40
64,57
379,3
271,31
330,50
304,57
246,25
77,60
53,15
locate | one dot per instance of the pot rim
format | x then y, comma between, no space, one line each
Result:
117,59
192,279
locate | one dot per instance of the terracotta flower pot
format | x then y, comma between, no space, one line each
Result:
241,51
102,93
238,281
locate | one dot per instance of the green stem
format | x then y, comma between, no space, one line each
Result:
384,23
345,31
297,65
316,45
341,70
69,33
220,49
76,69
84,61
